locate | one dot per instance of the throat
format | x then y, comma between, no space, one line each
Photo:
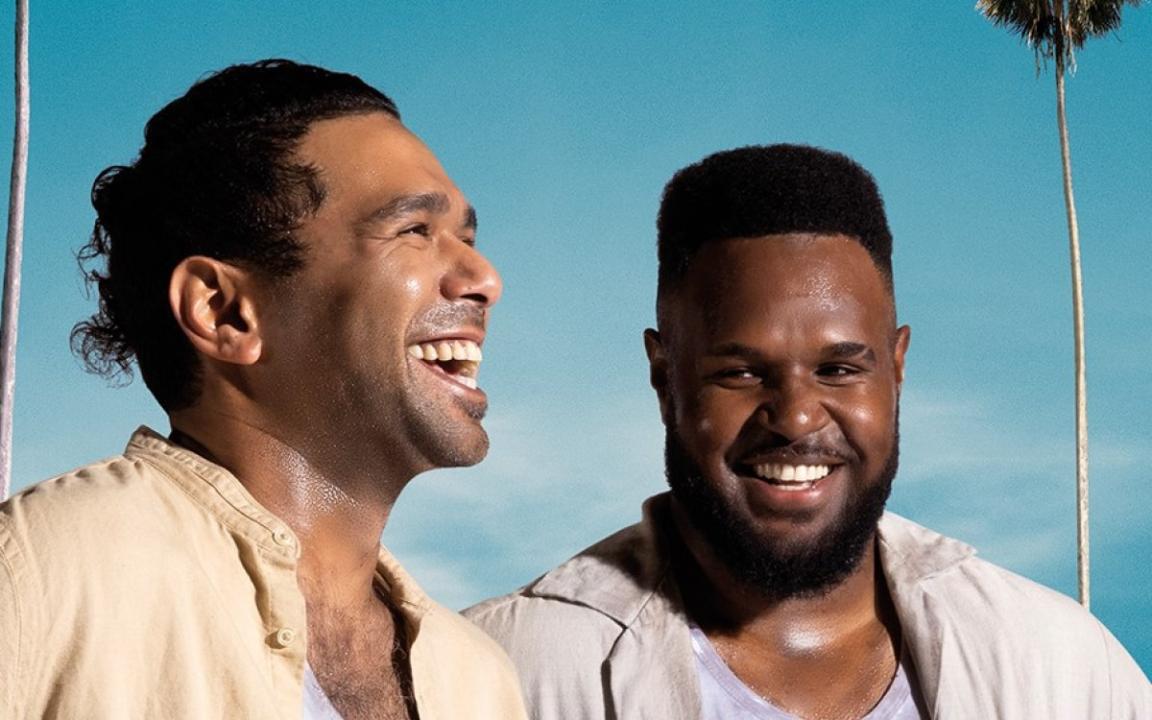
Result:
822,657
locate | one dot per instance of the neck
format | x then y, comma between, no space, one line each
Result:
854,614
336,509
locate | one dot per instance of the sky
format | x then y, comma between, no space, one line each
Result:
562,122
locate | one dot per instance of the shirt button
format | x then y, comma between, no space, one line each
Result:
284,637
282,537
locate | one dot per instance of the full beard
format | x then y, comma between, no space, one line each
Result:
778,571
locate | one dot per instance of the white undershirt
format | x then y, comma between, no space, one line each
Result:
317,706
724,697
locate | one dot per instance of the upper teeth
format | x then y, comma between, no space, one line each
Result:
792,473
444,350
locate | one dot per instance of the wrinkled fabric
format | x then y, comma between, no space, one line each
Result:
604,636
152,585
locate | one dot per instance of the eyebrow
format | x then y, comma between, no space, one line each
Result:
836,351
432,202
845,350
733,349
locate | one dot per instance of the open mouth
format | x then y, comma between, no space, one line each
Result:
790,478
459,360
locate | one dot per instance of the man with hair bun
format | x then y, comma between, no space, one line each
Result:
770,583
297,280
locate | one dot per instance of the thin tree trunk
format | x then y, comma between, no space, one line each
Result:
11,299
1082,557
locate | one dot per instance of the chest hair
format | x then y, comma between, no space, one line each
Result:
360,658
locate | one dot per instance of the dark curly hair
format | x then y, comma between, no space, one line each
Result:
767,190
214,178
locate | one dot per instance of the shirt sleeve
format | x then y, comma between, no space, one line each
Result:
11,628
1131,691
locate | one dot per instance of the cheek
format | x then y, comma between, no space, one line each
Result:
712,420
414,287
869,425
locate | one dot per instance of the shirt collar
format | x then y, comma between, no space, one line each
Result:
214,488
618,575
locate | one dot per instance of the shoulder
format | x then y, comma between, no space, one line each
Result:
1040,638
84,535
584,602
63,543
462,671
560,629
968,588
73,512
992,628
455,631
532,628
559,648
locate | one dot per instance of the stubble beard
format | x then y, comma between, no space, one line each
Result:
779,571
445,439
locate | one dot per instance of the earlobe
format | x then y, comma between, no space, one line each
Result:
657,369
212,303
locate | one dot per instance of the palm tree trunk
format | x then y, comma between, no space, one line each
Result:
11,299
1082,565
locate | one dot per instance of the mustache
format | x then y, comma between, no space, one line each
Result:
804,447
450,316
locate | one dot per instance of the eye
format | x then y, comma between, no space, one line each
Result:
736,378
837,372
420,229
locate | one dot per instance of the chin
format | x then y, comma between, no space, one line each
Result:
778,564
459,450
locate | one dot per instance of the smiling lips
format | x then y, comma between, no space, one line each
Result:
460,359
791,477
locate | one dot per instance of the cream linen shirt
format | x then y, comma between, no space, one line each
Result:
152,585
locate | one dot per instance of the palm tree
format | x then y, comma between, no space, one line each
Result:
11,301
1056,29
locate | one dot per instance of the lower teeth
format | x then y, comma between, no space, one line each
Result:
794,485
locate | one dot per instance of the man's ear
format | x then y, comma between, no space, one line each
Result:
214,305
903,339
658,370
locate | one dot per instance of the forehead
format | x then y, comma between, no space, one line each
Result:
372,156
791,284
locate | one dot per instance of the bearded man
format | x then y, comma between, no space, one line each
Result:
770,582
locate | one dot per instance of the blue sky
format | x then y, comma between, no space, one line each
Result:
562,122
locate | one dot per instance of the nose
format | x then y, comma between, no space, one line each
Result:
472,277
794,409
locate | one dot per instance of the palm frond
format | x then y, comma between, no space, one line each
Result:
1093,18
1052,27
1033,20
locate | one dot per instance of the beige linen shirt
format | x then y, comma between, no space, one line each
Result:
605,637
152,585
